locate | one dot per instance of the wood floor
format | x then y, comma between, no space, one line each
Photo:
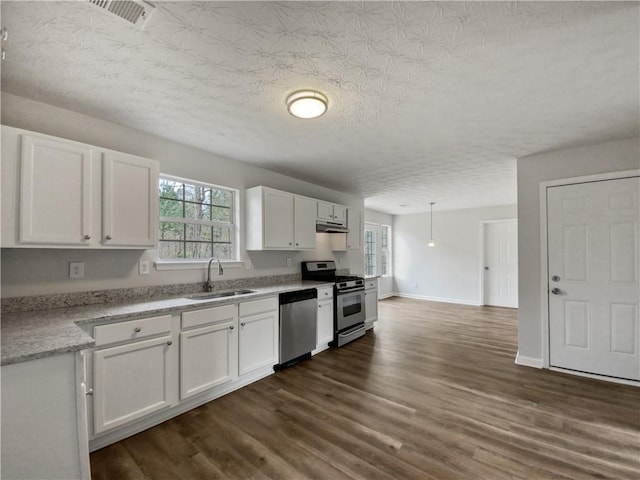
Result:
431,393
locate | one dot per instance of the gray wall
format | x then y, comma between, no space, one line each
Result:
41,271
574,162
450,271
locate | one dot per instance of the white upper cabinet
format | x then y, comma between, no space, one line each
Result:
62,194
353,239
55,192
331,213
130,200
278,220
304,222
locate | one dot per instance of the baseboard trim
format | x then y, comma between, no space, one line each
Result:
386,295
438,299
528,361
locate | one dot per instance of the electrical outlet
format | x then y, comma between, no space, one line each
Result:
143,267
415,284
76,269
288,261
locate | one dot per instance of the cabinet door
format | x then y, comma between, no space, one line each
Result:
130,201
55,192
339,213
258,341
278,219
133,380
304,222
325,211
208,357
371,305
325,322
354,224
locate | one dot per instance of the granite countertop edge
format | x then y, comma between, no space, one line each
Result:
40,334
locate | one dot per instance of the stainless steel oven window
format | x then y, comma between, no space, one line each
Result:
351,304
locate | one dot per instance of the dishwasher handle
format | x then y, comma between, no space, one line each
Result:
298,296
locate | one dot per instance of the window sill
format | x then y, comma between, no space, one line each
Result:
195,264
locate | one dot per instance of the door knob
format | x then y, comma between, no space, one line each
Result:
556,291
555,278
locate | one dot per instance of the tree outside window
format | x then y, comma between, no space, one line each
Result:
196,220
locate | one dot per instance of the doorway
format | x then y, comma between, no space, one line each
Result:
593,291
500,263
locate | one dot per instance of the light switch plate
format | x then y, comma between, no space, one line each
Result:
76,269
143,267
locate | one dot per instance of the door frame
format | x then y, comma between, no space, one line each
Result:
544,253
483,224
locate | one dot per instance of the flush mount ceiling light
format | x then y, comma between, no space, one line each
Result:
307,104
431,242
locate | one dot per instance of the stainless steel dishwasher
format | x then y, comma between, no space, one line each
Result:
298,326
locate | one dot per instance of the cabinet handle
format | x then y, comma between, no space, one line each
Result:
231,327
137,329
289,243
242,324
87,237
108,237
89,392
169,343
319,306
297,244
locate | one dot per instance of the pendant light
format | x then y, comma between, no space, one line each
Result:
431,243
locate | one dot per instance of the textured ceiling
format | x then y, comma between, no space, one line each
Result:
429,101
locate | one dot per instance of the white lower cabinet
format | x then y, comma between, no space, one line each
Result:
258,337
148,370
371,302
325,316
134,379
209,353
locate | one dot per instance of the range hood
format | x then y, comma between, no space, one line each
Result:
330,227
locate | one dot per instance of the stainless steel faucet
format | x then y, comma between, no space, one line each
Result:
208,286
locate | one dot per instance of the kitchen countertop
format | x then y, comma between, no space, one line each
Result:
44,333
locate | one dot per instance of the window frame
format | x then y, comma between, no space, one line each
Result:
389,251
373,228
377,228
163,263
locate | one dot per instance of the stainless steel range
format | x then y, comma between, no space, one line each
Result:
348,303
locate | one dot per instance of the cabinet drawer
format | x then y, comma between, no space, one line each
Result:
132,330
258,306
325,293
369,284
208,315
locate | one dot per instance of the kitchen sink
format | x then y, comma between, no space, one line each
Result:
212,295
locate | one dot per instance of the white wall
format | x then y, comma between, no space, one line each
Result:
42,271
567,163
450,271
385,284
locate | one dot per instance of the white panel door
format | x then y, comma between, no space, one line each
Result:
258,341
208,357
325,322
55,192
304,222
133,380
501,264
278,219
594,292
130,201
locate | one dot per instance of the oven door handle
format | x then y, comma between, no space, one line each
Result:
350,290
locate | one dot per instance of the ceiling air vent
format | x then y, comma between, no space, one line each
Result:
136,12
